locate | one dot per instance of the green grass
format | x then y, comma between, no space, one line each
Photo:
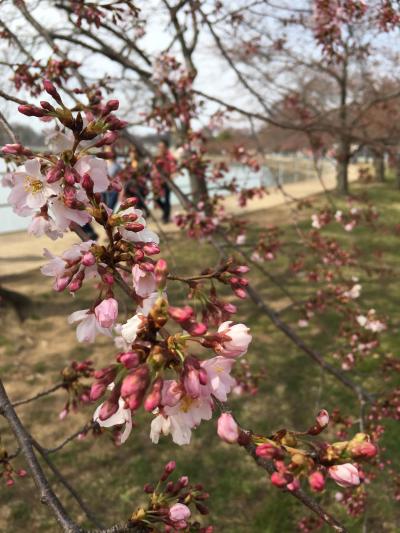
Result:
241,498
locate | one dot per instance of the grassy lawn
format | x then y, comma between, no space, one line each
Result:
293,389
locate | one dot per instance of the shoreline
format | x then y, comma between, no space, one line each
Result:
20,252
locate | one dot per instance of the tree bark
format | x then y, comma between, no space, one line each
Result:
342,167
379,166
398,171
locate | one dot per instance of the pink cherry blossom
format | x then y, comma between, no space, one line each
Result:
97,170
220,383
345,475
131,328
143,281
40,226
228,430
106,312
63,215
179,512
30,189
180,419
145,235
88,326
120,417
235,341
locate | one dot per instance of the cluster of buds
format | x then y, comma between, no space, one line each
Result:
158,371
314,461
78,391
268,245
7,471
171,504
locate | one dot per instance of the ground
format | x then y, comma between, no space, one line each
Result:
34,351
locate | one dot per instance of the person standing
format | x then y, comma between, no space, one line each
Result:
165,166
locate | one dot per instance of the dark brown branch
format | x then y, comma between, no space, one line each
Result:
38,395
90,515
47,494
299,494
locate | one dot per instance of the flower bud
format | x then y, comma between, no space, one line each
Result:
150,248
88,259
153,400
106,312
161,273
228,430
268,450
345,475
323,418
52,91
316,481
179,512
134,226
170,467
31,111
278,480
97,390
87,183
129,202
129,359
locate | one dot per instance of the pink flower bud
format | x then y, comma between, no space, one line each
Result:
61,283
129,359
180,314
345,475
153,400
234,339
197,329
278,480
179,512
106,312
161,273
9,482
240,293
134,226
108,278
134,386
63,414
31,111
268,451
323,418
364,449
316,481
51,90
183,481
87,183
108,408
170,467
129,202
293,485
88,259
172,392
97,390
151,248
203,376
22,473
228,430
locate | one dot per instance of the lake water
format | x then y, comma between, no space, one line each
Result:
247,178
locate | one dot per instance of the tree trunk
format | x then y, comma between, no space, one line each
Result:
379,167
342,168
398,171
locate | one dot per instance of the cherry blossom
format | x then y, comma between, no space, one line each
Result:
29,188
143,281
345,475
88,326
235,339
120,417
